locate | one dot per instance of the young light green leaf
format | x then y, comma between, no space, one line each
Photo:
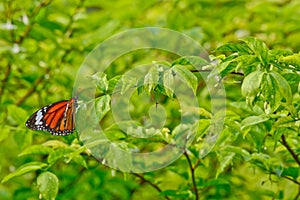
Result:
234,47
151,79
26,168
252,120
55,144
259,48
127,83
293,60
225,159
36,149
188,77
113,82
195,61
100,81
48,184
59,153
102,106
251,84
168,81
283,86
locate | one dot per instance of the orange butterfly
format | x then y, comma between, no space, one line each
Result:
57,118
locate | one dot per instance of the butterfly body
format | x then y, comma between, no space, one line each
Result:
57,118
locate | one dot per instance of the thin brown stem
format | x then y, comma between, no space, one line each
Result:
208,70
150,183
192,169
287,146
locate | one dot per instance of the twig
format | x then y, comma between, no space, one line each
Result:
208,70
192,169
4,81
150,183
287,146
293,180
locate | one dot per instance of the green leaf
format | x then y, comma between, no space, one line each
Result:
293,60
293,80
168,81
102,106
5,131
239,151
225,68
283,86
195,61
225,159
151,79
252,120
176,193
259,48
127,83
55,144
23,138
100,81
188,76
17,114
113,82
248,63
59,153
251,84
292,172
48,185
215,182
36,149
234,47
23,169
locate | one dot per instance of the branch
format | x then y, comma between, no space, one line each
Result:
150,183
287,146
192,169
208,70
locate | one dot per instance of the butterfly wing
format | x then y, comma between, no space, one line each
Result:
57,118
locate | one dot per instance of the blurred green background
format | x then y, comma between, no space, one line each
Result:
44,42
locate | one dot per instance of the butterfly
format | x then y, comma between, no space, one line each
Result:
57,118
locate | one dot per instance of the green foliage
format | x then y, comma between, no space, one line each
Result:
47,183
254,48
